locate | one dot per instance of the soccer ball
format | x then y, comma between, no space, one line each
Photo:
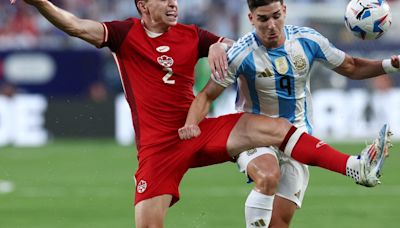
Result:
368,19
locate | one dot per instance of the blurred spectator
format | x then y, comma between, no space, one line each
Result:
98,92
7,89
21,27
382,84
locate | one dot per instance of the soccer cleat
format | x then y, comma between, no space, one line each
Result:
373,157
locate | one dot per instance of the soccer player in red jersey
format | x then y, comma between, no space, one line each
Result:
156,57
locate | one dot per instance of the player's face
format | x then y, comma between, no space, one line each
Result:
163,13
269,21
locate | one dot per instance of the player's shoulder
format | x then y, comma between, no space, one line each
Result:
298,32
186,29
243,48
248,42
127,21
247,39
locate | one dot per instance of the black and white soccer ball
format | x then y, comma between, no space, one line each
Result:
368,19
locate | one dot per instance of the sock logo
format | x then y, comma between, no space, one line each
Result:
259,223
320,144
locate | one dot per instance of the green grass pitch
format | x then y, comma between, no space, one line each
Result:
88,183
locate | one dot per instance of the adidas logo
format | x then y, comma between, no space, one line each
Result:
259,223
297,194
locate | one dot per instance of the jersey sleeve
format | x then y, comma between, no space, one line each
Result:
327,53
115,33
206,39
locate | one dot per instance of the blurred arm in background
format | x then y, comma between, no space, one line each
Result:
88,30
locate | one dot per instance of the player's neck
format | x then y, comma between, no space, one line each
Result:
272,45
154,27
150,33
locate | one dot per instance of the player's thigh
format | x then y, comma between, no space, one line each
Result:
282,213
253,131
151,212
213,141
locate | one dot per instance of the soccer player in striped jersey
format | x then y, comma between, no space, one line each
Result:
272,67
156,57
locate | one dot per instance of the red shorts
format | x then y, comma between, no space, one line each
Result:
162,171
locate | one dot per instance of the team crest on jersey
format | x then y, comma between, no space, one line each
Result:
281,65
299,62
165,61
141,186
163,49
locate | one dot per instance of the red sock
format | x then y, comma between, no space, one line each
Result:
311,151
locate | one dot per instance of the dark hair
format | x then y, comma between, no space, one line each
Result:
254,4
137,8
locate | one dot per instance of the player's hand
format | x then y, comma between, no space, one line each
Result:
217,60
395,61
189,131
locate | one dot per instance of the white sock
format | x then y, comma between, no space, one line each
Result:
353,168
258,209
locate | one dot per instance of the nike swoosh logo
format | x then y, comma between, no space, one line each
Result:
162,49
320,144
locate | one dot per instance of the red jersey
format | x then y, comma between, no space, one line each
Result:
157,75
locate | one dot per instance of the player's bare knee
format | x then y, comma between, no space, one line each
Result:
266,181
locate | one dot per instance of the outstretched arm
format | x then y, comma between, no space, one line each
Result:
199,109
88,30
360,68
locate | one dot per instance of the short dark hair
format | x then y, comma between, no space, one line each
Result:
254,4
137,8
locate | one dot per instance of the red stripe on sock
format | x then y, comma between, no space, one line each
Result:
310,151
287,137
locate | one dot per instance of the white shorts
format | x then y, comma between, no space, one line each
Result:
294,175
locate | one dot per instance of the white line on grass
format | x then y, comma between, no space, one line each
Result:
6,187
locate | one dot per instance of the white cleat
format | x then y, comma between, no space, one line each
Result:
373,157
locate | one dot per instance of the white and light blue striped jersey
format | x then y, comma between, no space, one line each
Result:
276,82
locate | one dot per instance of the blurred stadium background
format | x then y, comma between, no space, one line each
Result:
66,145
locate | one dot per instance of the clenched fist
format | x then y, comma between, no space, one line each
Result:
189,131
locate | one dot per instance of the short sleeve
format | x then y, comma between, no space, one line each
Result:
328,54
116,32
206,39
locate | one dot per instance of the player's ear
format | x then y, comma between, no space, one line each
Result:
142,6
284,9
250,15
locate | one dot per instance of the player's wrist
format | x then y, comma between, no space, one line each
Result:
388,67
224,46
